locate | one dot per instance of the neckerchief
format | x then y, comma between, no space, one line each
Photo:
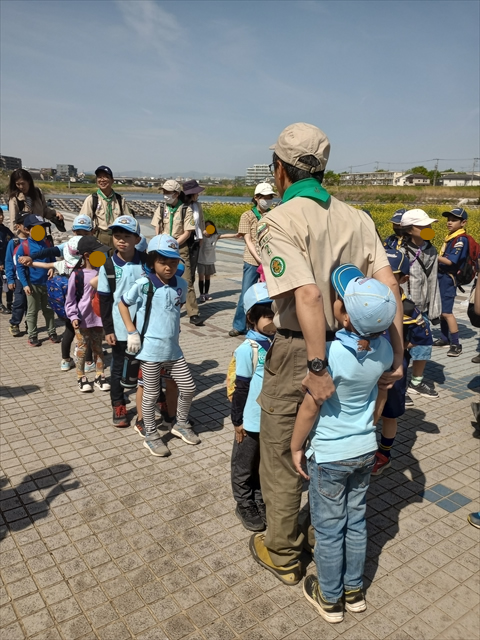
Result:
171,212
258,215
350,340
262,340
308,188
453,235
109,201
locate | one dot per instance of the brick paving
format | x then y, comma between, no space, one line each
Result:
101,540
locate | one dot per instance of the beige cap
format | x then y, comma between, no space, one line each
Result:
264,189
416,217
302,139
172,185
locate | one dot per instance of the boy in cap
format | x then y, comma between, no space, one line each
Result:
103,206
396,238
341,453
422,288
451,259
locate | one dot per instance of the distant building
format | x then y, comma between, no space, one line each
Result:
460,180
9,163
370,178
48,173
257,173
413,180
66,171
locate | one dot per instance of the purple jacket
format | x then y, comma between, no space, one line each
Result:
82,311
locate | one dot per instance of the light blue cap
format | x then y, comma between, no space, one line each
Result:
82,222
257,294
370,304
164,245
142,244
180,270
126,223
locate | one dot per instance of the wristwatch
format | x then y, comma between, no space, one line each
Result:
317,365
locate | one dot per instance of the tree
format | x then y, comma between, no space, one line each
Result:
422,170
331,178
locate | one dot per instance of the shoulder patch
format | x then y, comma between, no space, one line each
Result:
277,266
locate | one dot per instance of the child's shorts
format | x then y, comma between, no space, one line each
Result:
395,404
448,291
421,352
163,374
206,269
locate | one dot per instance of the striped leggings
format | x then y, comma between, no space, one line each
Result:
151,373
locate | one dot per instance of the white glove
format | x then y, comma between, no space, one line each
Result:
134,343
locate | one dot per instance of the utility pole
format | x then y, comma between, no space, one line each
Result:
435,174
376,165
473,168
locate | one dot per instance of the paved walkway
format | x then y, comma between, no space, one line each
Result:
102,540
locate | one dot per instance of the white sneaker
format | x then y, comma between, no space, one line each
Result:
84,385
66,365
101,383
90,367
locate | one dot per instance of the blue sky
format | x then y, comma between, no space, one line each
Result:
207,86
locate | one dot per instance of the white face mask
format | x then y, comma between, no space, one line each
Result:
169,199
264,204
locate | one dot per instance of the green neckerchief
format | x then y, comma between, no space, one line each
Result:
255,211
109,201
308,188
172,211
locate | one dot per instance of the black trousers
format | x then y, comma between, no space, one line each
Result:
116,367
245,470
19,308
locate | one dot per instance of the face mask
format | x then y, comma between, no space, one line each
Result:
264,204
169,199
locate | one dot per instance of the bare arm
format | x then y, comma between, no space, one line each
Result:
183,237
251,248
125,314
303,425
229,235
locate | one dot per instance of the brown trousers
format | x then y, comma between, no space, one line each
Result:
192,306
105,237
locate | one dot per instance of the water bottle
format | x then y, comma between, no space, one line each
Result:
131,368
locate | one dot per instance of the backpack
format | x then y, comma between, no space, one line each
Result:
112,282
466,274
57,294
118,198
231,371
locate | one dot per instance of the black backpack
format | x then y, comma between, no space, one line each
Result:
118,198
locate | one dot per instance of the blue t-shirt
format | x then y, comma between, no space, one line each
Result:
344,428
126,273
161,339
244,369
457,252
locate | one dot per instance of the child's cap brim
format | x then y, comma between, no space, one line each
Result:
342,275
170,254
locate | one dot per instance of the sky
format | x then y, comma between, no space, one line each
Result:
173,87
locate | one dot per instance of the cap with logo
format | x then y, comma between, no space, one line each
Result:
416,217
89,244
82,223
31,220
257,294
458,213
105,169
126,223
397,216
398,261
191,187
264,189
172,185
302,139
370,304
165,245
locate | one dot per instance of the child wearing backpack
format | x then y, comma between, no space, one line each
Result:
244,389
207,258
5,236
158,298
453,256
79,310
19,307
34,283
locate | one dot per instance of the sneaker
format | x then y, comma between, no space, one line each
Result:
14,330
169,422
408,401
355,600
120,416
262,512
90,367
140,427
84,385
330,611
201,299
3,308
441,343
207,297
475,359
381,463
423,389
290,574
156,446
474,519
186,433
34,342
196,320
454,351
66,365
249,517
101,383
9,308
233,333
55,338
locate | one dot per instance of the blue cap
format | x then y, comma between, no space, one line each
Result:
164,245
31,220
458,213
105,169
397,216
180,270
257,294
126,223
370,304
398,261
82,222
141,244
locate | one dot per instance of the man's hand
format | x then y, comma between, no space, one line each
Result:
26,261
111,339
390,377
240,434
321,386
75,324
299,461
12,286
27,290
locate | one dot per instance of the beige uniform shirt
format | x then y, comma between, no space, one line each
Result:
100,218
39,208
173,224
302,242
248,226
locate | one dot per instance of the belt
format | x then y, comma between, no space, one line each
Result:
287,333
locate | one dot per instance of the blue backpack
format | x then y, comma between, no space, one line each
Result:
57,294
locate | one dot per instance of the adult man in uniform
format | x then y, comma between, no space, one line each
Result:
301,242
104,206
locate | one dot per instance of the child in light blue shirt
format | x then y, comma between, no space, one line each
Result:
341,453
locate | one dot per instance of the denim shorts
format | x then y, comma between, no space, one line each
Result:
421,352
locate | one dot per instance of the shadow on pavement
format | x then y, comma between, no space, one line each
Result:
13,392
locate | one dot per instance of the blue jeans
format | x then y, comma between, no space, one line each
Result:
249,278
337,496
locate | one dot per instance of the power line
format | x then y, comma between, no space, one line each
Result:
411,162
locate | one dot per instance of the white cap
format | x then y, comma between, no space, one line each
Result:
264,189
416,217
171,185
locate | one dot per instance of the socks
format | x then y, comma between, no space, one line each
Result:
454,338
386,445
207,286
444,330
416,380
201,284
